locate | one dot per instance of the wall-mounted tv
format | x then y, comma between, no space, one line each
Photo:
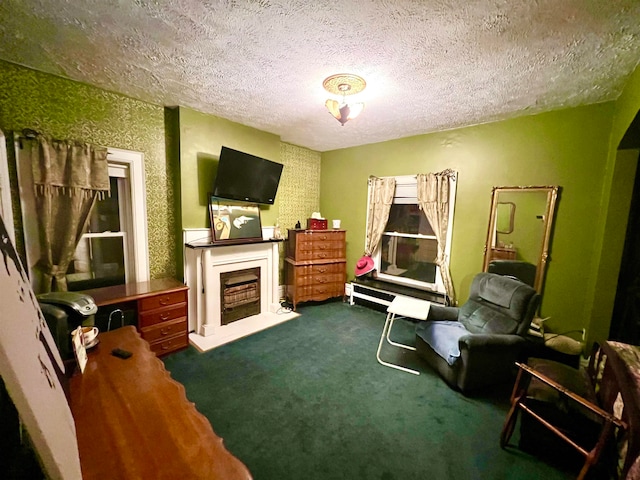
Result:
246,177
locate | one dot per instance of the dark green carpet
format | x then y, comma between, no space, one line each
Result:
308,400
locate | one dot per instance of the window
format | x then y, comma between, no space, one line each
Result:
408,247
102,256
114,248
111,253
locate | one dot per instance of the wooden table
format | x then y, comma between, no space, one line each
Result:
133,421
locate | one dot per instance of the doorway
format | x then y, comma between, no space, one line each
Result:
625,321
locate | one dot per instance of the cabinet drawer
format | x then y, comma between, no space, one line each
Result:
162,300
319,279
320,269
330,235
320,255
168,345
303,241
165,330
317,291
147,319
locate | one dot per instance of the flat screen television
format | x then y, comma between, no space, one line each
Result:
246,177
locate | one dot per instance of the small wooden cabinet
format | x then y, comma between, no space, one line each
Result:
315,265
162,320
161,310
502,253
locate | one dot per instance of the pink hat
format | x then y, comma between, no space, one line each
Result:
364,266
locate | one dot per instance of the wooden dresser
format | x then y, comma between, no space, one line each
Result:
161,310
133,421
503,253
315,265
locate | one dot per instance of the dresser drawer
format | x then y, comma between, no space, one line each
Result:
147,319
319,279
169,345
165,330
320,269
329,235
320,255
162,300
320,292
304,241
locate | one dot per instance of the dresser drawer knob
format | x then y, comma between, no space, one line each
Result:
165,301
165,331
165,316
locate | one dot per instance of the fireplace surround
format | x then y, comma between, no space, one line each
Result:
207,266
239,294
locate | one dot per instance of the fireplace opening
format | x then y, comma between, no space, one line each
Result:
239,294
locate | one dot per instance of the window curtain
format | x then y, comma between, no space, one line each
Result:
433,198
381,191
68,178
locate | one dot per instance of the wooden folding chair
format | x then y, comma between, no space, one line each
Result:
600,379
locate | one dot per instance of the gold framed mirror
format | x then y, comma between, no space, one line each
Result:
519,232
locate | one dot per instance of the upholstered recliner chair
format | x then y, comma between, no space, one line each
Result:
478,344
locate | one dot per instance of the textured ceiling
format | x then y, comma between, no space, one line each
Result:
429,65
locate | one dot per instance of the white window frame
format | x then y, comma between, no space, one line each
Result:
406,192
5,190
134,162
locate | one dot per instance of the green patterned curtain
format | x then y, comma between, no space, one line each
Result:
68,179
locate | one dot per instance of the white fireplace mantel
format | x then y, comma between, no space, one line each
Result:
204,262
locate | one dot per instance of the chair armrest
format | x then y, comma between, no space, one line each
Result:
440,312
490,340
571,395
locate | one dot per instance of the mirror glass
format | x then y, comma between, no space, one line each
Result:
519,232
505,212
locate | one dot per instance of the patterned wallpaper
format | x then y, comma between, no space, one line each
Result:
299,190
69,110
65,109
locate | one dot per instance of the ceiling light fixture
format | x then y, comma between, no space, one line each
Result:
344,84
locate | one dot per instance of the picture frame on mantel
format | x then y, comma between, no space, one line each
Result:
234,222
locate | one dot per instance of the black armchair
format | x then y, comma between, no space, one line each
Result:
478,344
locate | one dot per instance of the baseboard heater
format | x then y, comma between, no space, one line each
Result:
380,294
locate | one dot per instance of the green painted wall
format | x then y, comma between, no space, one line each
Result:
567,148
70,110
201,138
615,199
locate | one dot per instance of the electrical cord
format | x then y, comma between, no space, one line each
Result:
117,310
285,307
